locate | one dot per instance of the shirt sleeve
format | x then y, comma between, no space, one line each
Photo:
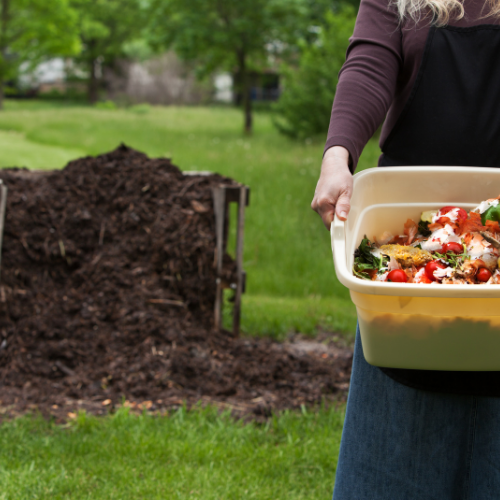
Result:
367,80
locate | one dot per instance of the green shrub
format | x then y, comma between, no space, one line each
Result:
304,107
140,109
107,105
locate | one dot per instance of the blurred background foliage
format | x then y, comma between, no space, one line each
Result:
34,30
104,28
289,51
236,35
303,109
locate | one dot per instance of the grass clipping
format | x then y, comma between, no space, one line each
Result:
407,256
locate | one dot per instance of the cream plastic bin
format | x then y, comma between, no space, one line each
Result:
431,327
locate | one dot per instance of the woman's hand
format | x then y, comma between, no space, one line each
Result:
334,188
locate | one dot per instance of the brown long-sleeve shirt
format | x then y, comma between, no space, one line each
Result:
382,63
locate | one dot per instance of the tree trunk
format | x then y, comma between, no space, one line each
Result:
245,93
247,105
4,22
1,90
93,85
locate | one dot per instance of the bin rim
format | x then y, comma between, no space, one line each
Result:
347,278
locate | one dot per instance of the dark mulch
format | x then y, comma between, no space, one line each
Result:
107,292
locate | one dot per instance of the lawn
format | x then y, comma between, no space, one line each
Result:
199,455
291,282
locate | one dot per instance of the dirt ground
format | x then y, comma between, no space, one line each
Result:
106,299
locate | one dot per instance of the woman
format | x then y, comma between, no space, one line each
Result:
431,69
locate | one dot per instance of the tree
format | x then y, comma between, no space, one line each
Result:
33,30
236,35
317,9
304,107
105,28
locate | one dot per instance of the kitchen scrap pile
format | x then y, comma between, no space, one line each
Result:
447,246
107,293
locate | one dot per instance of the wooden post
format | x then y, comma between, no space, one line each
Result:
219,196
223,196
239,259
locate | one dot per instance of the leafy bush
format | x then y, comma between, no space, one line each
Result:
106,105
304,107
140,109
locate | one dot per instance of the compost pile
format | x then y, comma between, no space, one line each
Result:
107,293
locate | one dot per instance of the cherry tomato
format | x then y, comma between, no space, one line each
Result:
432,266
483,275
461,215
453,247
422,277
397,276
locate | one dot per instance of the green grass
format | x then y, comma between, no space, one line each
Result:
287,250
17,150
277,316
198,454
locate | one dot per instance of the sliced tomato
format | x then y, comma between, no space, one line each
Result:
453,247
432,266
483,275
461,215
397,276
471,225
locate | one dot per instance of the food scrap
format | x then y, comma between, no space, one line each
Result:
447,246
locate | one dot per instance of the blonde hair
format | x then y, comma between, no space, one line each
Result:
442,10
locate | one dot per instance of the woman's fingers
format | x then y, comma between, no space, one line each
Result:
325,208
334,188
344,205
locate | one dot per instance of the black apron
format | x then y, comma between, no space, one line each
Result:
452,117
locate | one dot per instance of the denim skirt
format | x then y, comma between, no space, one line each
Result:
400,443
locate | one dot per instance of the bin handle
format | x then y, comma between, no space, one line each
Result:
337,232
